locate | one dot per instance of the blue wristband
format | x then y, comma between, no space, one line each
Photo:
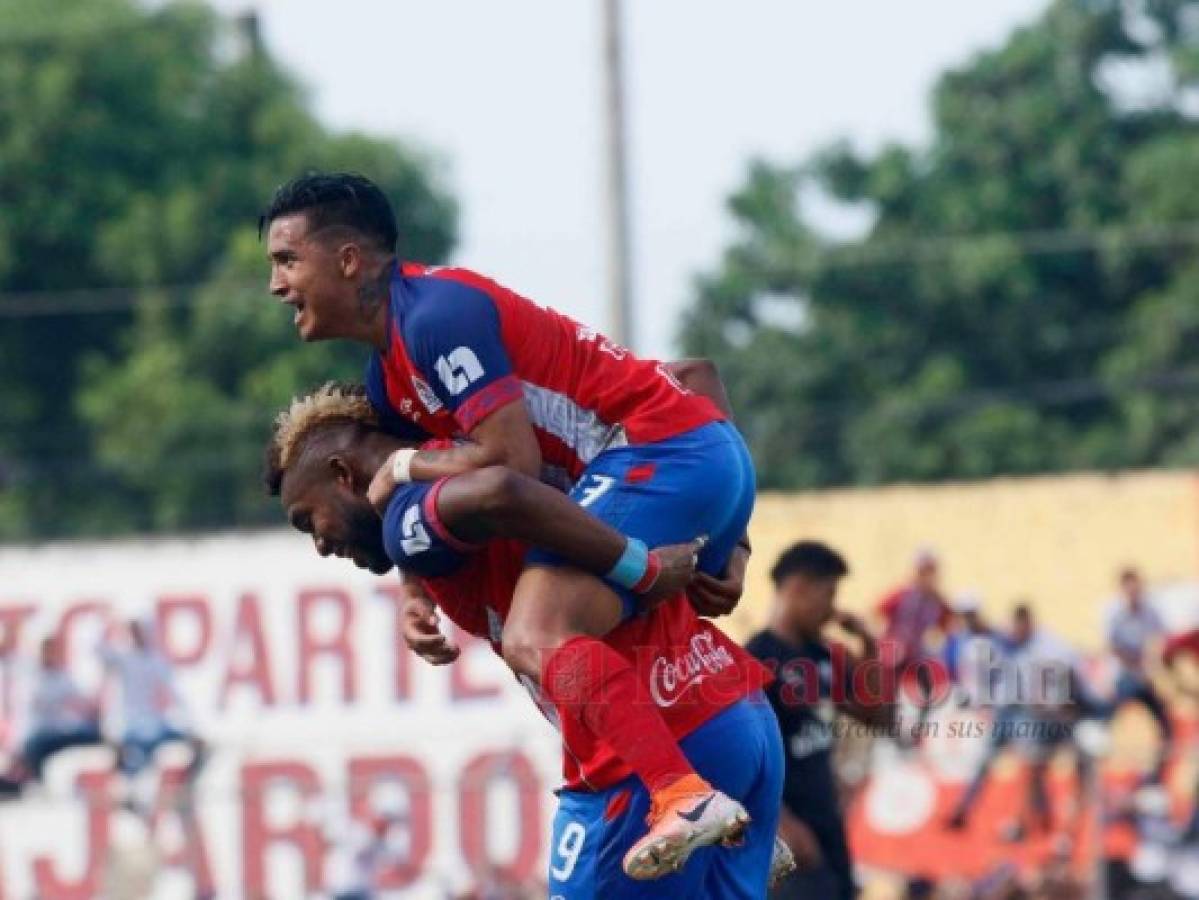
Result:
631,566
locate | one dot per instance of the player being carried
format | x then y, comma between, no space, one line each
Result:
456,537
458,356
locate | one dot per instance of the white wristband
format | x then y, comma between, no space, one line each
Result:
401,465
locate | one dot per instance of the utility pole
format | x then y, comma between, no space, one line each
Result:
616,207
251,32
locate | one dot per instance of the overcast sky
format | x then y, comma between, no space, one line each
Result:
508,95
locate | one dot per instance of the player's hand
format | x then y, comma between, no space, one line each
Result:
851,624
678,562
419,626
715,597
381,488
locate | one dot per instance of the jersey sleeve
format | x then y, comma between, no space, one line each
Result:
391,420
455,342
414,536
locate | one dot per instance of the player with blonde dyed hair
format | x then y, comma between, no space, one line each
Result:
328,446
465,538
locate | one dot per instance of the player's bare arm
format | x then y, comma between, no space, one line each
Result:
504,438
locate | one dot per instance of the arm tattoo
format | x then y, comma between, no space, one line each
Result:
428,456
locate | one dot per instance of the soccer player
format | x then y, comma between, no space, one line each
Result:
320,461
458,355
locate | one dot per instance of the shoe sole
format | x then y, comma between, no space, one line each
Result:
669,853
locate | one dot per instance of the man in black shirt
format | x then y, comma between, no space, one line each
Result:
814,681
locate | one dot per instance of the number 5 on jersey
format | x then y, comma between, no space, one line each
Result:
459,370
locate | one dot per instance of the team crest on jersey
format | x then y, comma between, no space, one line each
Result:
427,397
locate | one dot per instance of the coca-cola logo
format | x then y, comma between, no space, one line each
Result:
670,679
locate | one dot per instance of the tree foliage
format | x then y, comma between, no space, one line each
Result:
1026,296
140,354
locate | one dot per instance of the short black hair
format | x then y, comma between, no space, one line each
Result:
336,199
811,558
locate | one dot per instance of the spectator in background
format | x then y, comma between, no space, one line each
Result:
914,610
911,613
152,711
1041,698
972,652
360,852
805,579
1133,626
61,716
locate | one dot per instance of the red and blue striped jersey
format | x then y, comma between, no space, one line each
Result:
460,346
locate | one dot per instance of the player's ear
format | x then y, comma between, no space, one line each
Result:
349,259
343,474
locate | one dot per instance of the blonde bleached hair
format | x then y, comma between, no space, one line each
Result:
331,402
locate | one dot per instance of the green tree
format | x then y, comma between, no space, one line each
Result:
1024,299
140,355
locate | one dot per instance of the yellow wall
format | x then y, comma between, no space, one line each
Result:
1057,541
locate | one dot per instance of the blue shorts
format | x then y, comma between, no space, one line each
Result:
701,482
137,748
741,753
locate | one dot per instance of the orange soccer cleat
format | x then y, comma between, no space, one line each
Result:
685,816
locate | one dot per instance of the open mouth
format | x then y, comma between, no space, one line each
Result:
299,307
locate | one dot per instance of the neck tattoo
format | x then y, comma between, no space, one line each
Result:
373,291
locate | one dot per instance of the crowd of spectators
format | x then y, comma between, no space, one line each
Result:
1038,695
141,712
